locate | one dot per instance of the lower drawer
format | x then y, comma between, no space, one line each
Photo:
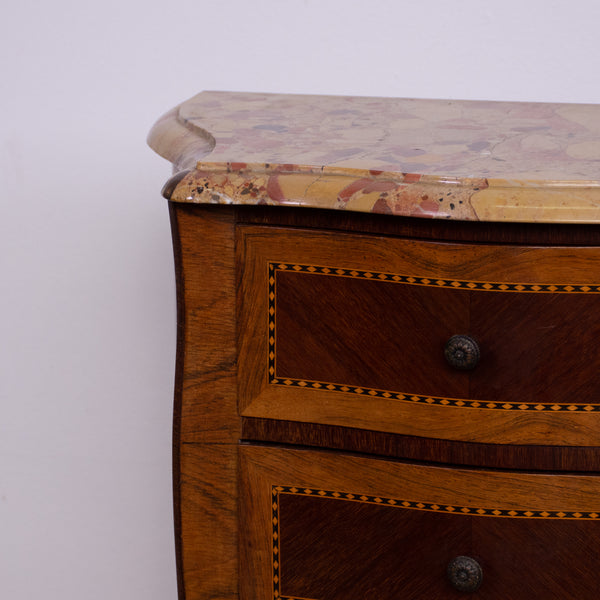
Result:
323,526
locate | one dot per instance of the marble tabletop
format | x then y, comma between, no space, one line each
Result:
464,160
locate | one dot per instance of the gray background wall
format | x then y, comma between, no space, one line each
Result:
87,305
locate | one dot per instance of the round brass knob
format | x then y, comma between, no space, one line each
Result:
462,352
465,574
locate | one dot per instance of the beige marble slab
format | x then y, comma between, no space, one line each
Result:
465,160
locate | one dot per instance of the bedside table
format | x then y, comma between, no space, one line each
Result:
388,375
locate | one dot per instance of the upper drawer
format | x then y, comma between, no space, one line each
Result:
350,330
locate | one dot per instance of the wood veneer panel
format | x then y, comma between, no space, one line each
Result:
536,347
536,525
337,550
362,332
382,335
551,559
207,323
542,234
208,519
497,456
206,425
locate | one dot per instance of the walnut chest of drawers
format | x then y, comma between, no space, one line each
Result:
388,368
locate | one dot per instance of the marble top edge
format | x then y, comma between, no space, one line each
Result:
351,173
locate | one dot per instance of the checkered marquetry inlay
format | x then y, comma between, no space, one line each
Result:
483,286
473,511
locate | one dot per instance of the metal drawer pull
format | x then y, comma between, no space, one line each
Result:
462,352
465,574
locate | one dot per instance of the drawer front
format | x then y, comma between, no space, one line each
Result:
324,527
350,330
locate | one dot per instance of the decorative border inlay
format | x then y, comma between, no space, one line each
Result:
472,511
457,284
484,286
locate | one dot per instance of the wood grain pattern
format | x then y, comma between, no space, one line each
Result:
206,424
339,549
222,261
487,263
536,347
536,234
342,549
432,450
522,557
400,330
208,514
531,343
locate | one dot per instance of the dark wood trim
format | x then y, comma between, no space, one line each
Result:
178,388
495,456
436,229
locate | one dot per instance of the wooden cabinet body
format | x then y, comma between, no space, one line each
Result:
325,449
422,471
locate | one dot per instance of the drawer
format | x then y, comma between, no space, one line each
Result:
350,330
319,526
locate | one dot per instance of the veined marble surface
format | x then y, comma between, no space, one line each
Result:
467,160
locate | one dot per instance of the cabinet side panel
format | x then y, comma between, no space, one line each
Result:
207,299
206,426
